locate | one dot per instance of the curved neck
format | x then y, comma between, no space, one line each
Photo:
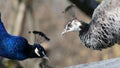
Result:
84,28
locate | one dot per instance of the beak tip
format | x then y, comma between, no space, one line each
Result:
62,33
65,31
46,58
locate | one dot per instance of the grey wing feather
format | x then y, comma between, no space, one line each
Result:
104,28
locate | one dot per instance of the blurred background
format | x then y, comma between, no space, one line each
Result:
22,16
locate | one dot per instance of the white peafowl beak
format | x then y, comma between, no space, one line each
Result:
63,32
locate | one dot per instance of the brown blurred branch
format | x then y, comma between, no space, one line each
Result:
19,19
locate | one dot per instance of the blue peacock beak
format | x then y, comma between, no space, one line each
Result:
46,58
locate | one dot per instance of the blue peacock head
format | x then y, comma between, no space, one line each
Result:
38,49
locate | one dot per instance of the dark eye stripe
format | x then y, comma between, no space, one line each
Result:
69,25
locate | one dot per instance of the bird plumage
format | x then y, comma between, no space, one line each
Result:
104,29
17,47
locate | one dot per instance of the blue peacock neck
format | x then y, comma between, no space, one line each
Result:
2,28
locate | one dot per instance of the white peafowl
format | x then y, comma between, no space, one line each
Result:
104,29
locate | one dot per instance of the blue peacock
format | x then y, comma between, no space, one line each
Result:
17,47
